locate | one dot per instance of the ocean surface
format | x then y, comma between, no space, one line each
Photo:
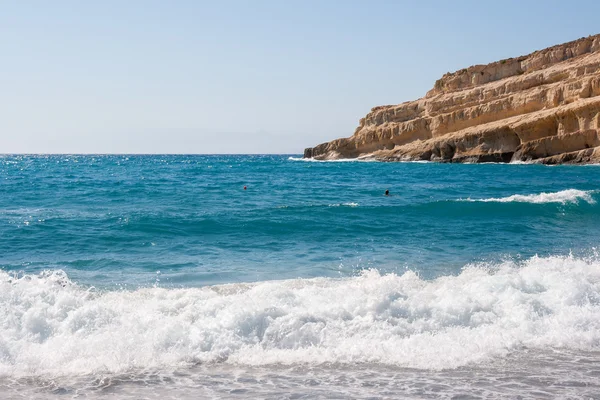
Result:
192,277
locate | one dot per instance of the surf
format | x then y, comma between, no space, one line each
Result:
52,326
568,196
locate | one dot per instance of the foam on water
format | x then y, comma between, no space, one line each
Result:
50,326
563,197
332,161
344,205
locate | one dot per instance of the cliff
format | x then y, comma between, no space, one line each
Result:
543,107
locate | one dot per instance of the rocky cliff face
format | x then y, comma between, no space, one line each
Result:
543,107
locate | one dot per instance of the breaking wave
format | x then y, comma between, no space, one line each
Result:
331,161
563,197
50,325
351,204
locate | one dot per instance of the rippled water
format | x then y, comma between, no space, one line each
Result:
161,276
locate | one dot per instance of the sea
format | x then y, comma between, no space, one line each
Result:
275,277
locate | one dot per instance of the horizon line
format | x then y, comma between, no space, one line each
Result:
150,154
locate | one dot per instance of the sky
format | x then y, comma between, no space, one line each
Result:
253,76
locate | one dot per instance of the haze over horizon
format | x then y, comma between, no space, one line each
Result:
242,77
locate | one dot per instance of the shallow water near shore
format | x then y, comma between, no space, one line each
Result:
573,376
162,277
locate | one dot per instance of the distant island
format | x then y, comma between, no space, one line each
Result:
542,108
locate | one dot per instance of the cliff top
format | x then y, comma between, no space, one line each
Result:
540,59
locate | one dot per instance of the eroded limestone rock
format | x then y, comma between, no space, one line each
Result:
497,112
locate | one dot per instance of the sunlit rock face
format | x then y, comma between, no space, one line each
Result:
543,107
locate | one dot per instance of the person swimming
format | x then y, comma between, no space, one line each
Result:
387,192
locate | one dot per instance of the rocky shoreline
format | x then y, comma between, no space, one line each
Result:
540,108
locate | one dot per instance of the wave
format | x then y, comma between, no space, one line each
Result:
363,160
563,197
351,204
51,326
331,161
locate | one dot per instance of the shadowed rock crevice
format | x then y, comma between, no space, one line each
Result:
491,113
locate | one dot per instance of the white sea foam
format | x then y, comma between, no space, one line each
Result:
331,161
364,159
563,197
50,326
344,205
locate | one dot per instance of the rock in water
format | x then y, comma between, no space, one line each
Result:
543,107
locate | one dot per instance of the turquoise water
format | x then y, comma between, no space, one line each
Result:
125,268
109,220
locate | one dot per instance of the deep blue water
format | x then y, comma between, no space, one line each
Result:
109,220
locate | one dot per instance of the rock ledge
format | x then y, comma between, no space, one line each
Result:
542,108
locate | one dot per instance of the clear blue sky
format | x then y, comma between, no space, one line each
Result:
242,76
